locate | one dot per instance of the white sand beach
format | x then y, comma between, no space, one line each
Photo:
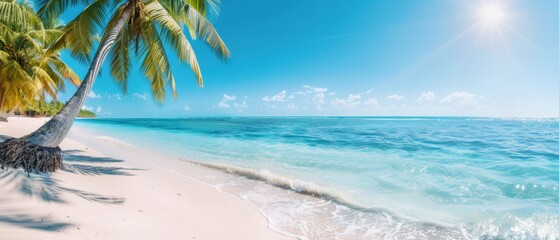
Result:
111,190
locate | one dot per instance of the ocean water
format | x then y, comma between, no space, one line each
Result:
374,177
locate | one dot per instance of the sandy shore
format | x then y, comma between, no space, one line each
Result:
111,190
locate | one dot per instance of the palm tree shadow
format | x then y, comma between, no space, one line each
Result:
4,137
34,186
72,156
27,221
49,189
82,164
17,218
85,169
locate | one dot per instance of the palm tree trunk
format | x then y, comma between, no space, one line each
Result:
54,131
3,98
3,116
39,151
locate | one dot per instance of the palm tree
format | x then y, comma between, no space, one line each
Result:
26,72
145,26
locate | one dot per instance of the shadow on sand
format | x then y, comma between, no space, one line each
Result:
4,137
80,164
27,221
49,189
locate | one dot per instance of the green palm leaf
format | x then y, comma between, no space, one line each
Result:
120,59
78,34
156,64
175,37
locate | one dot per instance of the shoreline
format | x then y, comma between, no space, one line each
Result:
105,193
280,153
164,164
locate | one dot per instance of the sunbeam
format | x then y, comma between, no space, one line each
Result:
433,53
525,39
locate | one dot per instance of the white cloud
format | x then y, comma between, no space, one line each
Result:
318,95
143,96
318,98
98,109
222,104
228,98
427,97
395,97
353,97
291,106
371,102
462,98
311,90
280,97
338,102
84,107
186,107
319,90
228,101
93,95
241,105
114,96
352,101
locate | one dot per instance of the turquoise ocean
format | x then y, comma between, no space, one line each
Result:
373,177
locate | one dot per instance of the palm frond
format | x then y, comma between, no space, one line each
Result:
63,70
19,16
120,59
52,9
4,57
56,77
44,82
17,85
47,35
78,34
156,65
193,14
175,37
200,27
25,41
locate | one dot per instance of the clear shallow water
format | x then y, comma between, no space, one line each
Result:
379,177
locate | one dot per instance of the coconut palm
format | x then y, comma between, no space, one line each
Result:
26,72
135,29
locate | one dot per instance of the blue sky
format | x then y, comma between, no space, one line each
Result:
362,57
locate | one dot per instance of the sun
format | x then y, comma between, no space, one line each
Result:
493,20
492,14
